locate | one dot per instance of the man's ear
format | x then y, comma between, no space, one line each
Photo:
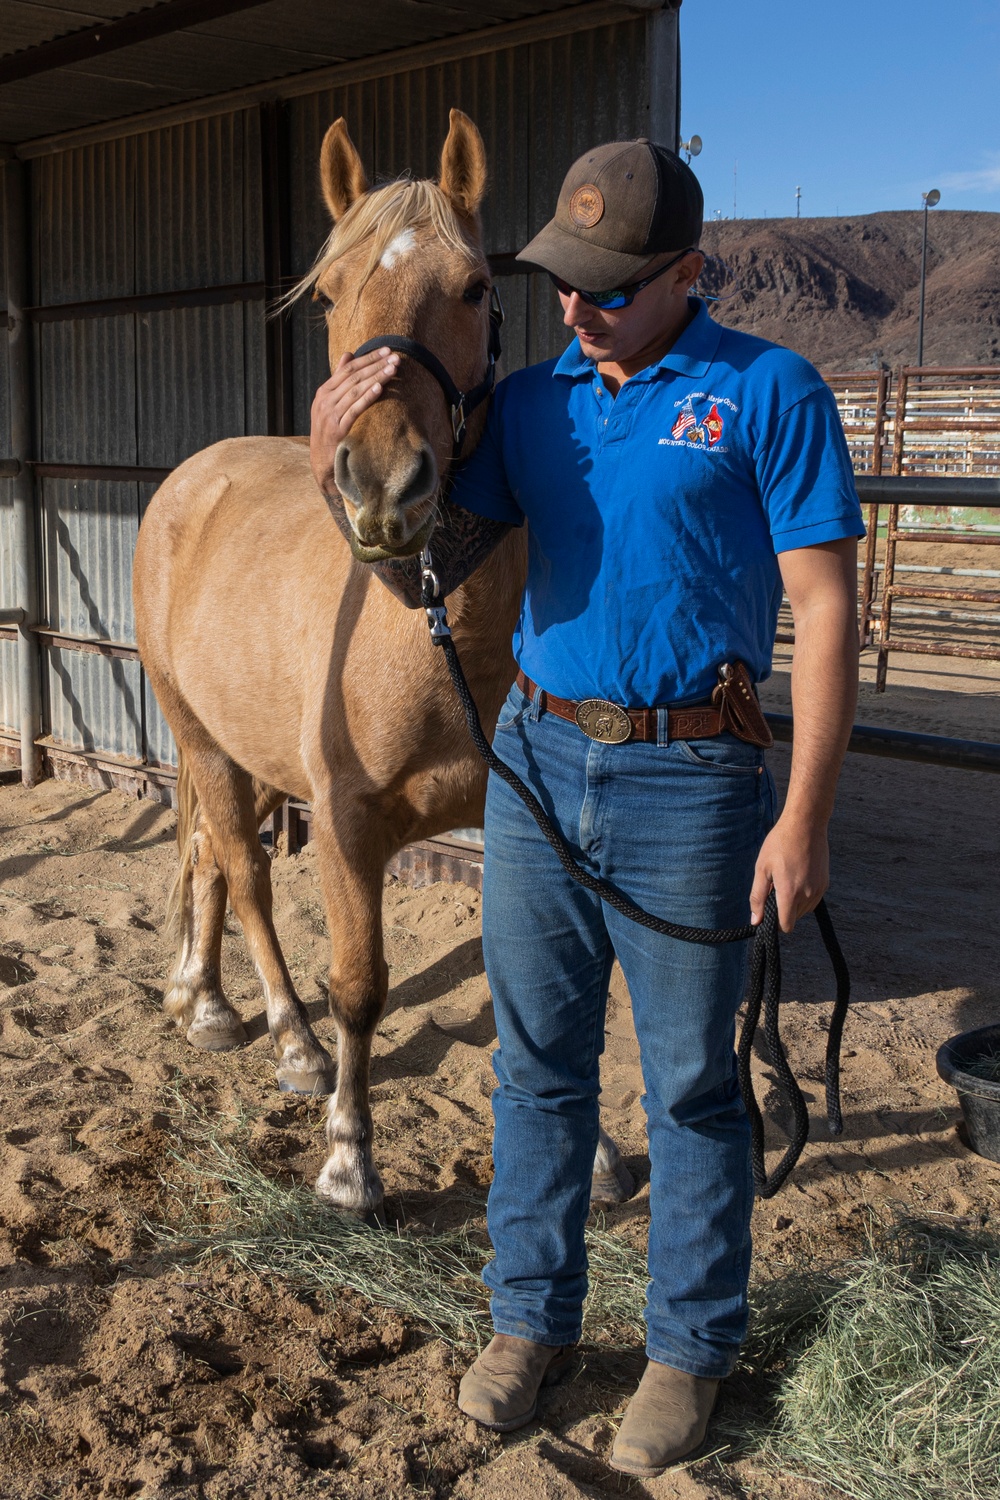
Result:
463,166
341,175
689,269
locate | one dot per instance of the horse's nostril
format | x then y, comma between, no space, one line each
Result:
342,475
422,480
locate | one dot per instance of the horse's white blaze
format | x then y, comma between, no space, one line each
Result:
400,246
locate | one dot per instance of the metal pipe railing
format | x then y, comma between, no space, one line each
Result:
929,489
905,744
23,481
943,570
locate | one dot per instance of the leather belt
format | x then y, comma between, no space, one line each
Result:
612,724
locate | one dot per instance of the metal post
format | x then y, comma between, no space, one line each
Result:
663,72
869,582
923,280
889,565
15,189
276,226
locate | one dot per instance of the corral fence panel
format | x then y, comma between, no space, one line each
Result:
928,424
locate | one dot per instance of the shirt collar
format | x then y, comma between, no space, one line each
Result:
692,354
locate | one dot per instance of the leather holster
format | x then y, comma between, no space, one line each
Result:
739,706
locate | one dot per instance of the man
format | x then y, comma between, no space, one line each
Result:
673,475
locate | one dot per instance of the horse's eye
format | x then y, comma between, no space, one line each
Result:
324,301
475,293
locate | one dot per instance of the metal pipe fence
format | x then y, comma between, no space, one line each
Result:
945,437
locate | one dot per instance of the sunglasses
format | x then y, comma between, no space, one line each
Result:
622,296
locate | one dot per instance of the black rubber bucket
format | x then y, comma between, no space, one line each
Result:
979,1097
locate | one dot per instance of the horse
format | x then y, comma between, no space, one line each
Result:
324,686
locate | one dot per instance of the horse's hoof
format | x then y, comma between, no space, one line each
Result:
371,1218
352,1187
217,1035
616,1186
317,1083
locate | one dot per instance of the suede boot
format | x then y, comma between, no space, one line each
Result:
500,1390
666,1421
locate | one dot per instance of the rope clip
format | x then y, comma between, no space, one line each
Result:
430,589
437,619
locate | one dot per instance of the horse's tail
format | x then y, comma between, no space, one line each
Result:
179,900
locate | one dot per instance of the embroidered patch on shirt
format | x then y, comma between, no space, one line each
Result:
691,428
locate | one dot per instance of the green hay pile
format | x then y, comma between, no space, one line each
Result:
879,1375
885,1370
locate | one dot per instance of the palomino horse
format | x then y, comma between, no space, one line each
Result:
322,684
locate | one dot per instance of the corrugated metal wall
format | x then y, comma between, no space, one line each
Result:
167,211
181,208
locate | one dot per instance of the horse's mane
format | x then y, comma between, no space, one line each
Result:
381,214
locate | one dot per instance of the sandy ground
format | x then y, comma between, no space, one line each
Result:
120,1374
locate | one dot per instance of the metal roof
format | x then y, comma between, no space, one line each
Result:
71,64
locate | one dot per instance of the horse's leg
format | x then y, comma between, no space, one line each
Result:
194,998
612,1181
351,868
230,814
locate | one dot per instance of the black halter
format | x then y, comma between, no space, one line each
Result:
461,403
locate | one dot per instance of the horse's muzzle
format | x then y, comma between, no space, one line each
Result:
381,553
391,512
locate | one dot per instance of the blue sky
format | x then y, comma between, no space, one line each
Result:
863,103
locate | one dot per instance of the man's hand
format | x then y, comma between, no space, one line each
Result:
795,860
354,386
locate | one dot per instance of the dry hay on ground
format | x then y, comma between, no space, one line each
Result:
128,1370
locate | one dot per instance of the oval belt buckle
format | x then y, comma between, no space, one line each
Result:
606,722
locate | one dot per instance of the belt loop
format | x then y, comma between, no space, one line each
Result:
663,726
535,712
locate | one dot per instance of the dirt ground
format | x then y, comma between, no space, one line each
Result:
121,1373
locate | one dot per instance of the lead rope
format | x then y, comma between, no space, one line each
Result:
765,961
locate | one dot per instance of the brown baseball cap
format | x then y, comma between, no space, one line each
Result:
620,206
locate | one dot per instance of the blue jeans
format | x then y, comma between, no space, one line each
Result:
678,828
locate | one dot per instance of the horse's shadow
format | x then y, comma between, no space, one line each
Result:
440,977
422,1054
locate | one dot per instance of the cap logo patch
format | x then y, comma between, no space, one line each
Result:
586,207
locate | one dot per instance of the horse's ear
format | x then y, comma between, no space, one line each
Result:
340,171
463,165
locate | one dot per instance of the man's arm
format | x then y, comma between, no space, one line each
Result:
821,583
459,543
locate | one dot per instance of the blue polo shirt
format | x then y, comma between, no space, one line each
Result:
654,518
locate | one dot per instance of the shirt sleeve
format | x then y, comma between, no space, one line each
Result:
481,483
805,475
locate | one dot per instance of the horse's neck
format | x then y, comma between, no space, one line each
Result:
485,606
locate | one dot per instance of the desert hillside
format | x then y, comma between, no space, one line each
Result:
845,292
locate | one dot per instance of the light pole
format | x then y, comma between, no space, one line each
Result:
930,199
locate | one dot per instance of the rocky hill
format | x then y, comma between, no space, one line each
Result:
845,292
